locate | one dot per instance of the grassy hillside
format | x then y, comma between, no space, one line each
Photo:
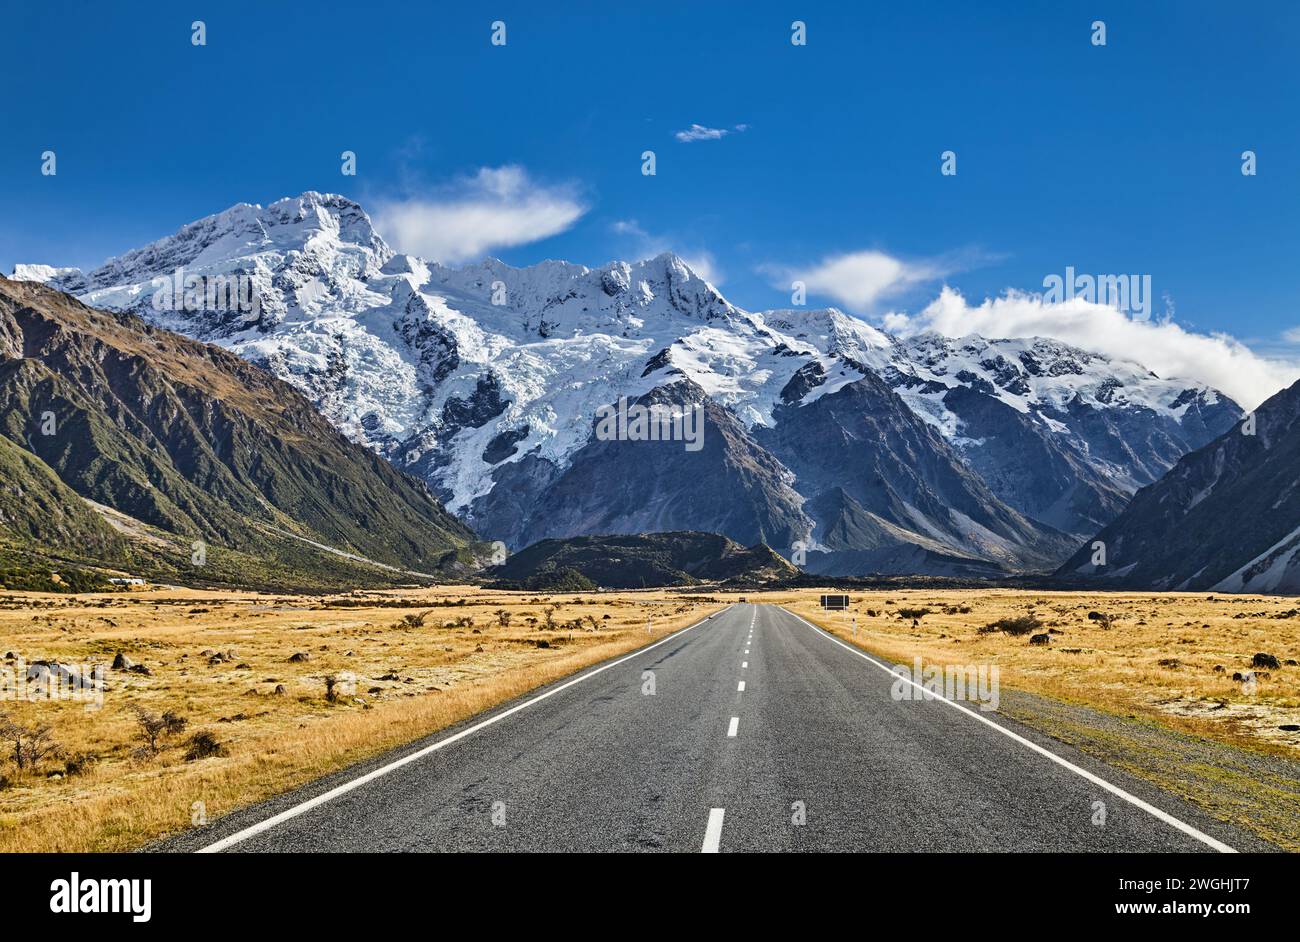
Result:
191,441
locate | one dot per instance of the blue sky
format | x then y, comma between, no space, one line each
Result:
1117,159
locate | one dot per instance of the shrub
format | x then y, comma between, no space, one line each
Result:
503,618
1019,625
413,620
914,613
154,728
204,745
30,744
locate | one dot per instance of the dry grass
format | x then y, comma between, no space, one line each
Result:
1148,655
1151,656
399,680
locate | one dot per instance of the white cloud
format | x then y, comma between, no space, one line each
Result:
1162,346
698,132
647,246
858,280
497,207
1291,335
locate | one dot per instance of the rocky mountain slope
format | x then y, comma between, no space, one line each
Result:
1226,518
181,442
486,381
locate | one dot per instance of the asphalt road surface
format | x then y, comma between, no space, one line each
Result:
750,731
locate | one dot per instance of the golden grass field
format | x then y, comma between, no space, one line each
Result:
1153,655
217,658
409,681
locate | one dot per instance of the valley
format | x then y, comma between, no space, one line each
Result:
295,687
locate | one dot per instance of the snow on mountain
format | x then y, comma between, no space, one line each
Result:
1055,385
1225,518
453,372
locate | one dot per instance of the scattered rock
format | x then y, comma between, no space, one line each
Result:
279,691
1219,668
122,662
68,676
1040,639
1290,728
1170,662
299,658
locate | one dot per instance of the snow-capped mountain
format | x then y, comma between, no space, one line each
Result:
1225,518
486,381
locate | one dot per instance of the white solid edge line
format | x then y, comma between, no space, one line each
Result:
266,825
1064,763
733,726
713,831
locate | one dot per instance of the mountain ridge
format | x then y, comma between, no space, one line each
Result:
1225,518
482,380
193,441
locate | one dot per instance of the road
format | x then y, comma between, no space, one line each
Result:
750,731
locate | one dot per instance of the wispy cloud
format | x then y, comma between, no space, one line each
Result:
698,132
497,207
1162,346
647,245
861,280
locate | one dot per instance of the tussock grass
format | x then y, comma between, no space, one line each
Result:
216,660
1151,655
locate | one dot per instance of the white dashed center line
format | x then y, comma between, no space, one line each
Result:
731,730
713,831
744,665
740,687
